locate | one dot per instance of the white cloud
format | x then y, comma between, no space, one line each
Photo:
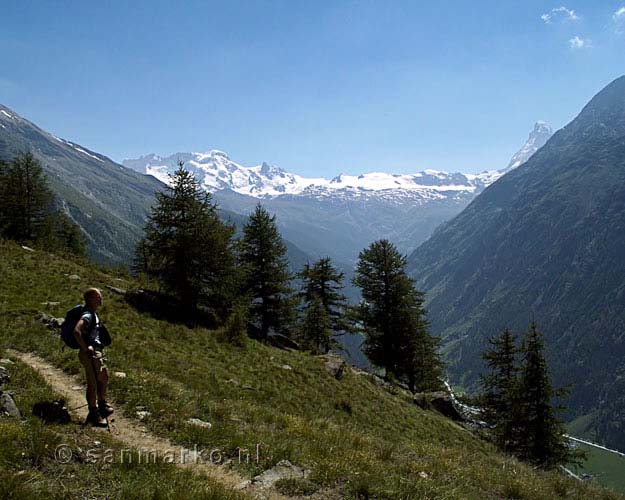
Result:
560,14
619,15
619,21
578,42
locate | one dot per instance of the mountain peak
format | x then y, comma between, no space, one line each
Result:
538,137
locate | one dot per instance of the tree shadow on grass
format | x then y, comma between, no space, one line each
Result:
167,308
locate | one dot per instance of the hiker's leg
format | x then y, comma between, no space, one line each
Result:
102,374
90,375
103,382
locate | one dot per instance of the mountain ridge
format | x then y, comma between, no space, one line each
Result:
108,201
546,241
339,216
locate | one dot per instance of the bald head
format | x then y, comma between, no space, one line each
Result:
93,298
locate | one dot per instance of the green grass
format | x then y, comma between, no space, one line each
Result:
607,469
383,447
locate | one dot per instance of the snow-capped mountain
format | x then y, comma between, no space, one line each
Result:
537,139
216,172
337,216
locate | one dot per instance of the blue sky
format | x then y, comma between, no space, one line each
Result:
315,87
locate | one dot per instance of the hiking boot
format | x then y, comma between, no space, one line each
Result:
105,409
95,419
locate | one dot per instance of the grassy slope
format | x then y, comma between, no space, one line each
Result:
355,436
28,468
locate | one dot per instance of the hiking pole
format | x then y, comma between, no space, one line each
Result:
78,407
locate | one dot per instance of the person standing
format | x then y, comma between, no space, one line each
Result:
89,336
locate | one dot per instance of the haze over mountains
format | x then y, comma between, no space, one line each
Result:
342,215
546,241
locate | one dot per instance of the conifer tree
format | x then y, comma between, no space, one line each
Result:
188,247
27,211
393,318
541,432
25,199
321,287
61,234
316,332
262,255
420,364
499,389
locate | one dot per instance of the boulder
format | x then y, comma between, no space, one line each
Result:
119,374
438,400
335,365
51,304
286,367
8,406
282,470
114,289
28,249
6,361
50,321
199,423
74,277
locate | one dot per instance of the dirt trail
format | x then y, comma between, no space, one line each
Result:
131,433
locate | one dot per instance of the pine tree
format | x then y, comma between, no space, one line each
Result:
188,248
541,440
499,389
26,199
321,287
315,325
61,234
421,363
262,255
27,209
393,318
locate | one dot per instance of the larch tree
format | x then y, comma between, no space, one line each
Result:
541,432
321,285
499,389
393,319
266,277
188,247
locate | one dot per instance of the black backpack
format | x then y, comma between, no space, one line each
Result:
67,328
69,325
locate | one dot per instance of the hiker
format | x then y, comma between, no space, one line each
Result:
88,336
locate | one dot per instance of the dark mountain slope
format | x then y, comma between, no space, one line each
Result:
108,201
546,241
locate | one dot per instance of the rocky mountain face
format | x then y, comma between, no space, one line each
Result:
109,202
545,241
537,139
342,215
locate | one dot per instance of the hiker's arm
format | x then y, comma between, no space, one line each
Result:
78,335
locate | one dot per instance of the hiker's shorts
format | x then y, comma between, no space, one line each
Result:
93,365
